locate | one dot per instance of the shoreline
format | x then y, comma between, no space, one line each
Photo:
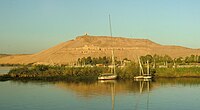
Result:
6,77
43,72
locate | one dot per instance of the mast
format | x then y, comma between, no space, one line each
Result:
148,72
110,26
113,71
141,68
113,62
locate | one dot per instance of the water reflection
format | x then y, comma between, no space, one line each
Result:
143,84
87,90
141,89
178,81
111,83
128,94
108,88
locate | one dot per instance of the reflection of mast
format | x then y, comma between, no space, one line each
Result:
113,94
112,88
141,86
148,86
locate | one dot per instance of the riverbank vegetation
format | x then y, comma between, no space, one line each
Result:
165,66
44,72
178,72
157,59
90,68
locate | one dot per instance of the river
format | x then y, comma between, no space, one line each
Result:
161,94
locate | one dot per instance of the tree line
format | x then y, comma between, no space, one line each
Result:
93,61
151,58
167,59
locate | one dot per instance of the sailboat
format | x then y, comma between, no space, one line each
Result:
142,75
112,74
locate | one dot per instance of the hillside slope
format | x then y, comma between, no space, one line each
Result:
96,46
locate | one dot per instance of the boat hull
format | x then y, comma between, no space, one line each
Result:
108,77
142,77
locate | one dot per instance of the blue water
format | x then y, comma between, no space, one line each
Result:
163,94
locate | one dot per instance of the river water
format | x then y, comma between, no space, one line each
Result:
161,94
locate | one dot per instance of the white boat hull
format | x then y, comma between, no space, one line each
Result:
142,77
108,77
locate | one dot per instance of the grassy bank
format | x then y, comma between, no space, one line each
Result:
53,73
43,72
178,72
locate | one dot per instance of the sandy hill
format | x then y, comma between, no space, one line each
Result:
95,46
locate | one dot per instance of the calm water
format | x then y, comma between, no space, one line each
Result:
163,94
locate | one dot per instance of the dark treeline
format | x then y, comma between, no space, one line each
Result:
166,58
11,65
45,72
151,58
94,61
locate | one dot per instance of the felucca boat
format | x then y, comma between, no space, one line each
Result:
112,74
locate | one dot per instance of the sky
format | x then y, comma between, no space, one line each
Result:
29,26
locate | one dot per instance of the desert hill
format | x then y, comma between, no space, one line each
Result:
96,46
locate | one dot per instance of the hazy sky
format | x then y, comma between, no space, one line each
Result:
29,26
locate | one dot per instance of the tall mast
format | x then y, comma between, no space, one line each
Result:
113,62
110,26
113,58
148,72
141,68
